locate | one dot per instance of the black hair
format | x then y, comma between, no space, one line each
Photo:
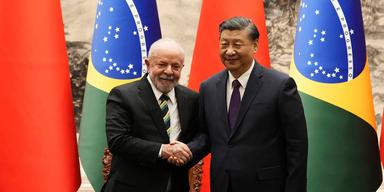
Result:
240,23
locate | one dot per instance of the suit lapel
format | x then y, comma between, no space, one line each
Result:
182,107
149,100
253,86
221,95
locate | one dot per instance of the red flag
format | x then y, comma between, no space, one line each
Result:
382,140
206,60
38,137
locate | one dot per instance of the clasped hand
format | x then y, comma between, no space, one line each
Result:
176,153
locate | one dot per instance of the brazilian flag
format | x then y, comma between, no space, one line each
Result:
123,33
331,69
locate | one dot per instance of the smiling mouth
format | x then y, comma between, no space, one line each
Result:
166,79
230,60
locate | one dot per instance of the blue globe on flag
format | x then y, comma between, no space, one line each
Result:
123,33
330,42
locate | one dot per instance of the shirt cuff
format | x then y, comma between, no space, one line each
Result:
161,149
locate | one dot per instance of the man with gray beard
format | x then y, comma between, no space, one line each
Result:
147,122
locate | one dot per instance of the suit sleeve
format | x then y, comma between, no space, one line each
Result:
121,142
295,132
200,145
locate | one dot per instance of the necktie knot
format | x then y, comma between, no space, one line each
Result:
236,83
164,97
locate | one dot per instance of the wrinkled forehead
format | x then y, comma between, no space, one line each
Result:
166,54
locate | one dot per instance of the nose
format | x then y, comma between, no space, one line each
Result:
230,51
168,70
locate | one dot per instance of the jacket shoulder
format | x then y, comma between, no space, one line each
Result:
216,77
128,86
186,90
275,75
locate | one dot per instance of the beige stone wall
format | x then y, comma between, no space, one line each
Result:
179,20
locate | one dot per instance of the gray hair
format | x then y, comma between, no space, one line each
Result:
165,42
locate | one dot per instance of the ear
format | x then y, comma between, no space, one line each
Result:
147,64
255,46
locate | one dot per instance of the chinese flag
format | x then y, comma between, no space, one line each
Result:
206,60
38,136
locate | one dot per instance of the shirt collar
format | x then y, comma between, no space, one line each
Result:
243,79
158,93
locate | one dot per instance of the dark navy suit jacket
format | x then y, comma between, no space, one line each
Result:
267,150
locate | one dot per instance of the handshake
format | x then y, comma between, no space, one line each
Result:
176,153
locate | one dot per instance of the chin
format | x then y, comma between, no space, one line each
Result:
166,89
231,63
231,66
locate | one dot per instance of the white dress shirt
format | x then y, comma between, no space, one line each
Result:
175,127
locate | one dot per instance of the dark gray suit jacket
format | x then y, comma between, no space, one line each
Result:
135,132
267,150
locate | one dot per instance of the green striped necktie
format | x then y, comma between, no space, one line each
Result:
165,111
